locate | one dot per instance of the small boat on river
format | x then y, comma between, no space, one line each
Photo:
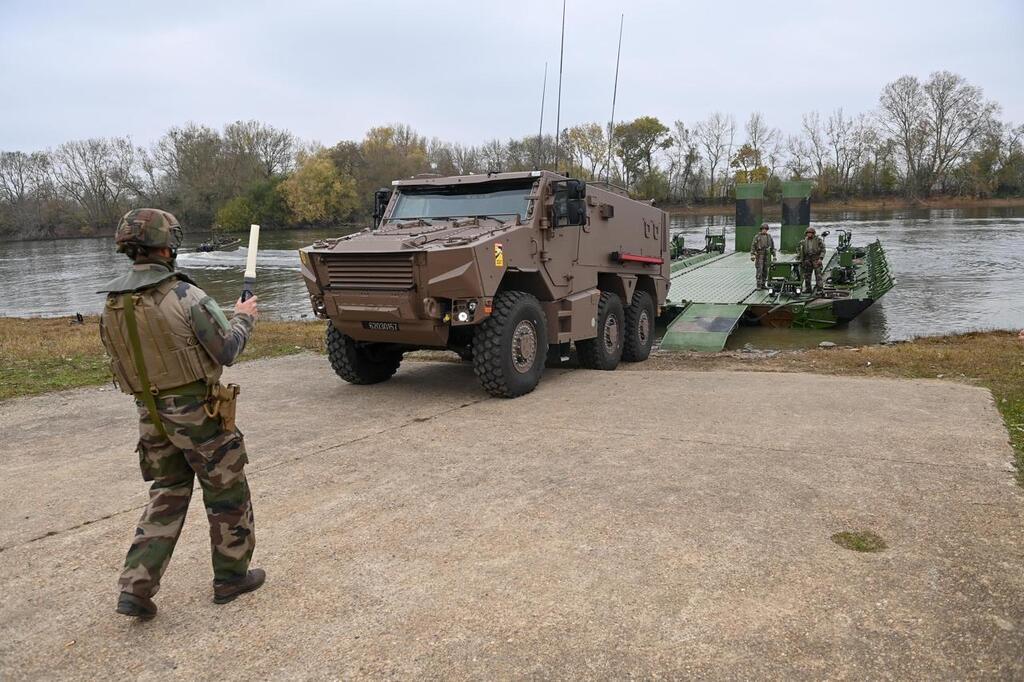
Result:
219,244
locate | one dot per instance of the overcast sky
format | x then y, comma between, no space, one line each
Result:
469,71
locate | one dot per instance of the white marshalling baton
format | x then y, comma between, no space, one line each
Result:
249,280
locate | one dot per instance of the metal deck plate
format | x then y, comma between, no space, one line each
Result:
703,327
729,278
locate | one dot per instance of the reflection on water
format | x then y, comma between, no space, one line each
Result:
61,277
957,270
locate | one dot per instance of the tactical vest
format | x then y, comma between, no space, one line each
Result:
172,354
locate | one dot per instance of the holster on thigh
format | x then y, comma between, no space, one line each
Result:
221,403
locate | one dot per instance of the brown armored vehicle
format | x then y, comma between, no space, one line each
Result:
506,269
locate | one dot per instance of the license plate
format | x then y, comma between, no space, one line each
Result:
381,326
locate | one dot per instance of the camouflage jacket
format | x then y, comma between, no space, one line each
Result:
761,243
811,249
189,316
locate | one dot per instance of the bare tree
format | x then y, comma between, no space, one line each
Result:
492,155
96,175
762,138
683,160
815,144
957,116
254,150
935,124
798,162
21,175
715,135
465,159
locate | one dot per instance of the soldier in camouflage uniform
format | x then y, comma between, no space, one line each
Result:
762,250
168,342
810,254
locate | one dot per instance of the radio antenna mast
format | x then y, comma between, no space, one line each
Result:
540,130
558,109
615,92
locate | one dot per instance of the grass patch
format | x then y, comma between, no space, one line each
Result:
42,355
860,541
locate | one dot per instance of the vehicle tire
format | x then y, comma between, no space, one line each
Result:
605,350
359,362
510,346
639,335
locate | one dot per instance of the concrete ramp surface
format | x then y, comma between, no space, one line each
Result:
611,524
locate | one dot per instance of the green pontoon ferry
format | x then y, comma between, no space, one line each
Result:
713,291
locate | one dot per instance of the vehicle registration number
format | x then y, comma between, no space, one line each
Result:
381,326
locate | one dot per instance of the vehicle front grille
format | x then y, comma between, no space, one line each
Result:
381,271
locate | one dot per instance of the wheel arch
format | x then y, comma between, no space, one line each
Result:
621,285
530,282
646,284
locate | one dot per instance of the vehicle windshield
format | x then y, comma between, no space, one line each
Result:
503,200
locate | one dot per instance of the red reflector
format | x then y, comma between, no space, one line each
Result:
634,258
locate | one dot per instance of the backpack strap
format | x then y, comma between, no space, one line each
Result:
147,394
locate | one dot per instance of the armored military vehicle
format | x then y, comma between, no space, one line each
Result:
506,269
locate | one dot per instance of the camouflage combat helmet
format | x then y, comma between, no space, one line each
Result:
149,228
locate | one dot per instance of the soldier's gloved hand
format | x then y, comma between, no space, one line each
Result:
247,307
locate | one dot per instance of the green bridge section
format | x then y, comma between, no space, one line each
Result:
703,327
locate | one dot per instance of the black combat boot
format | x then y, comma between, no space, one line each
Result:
129,604
225,591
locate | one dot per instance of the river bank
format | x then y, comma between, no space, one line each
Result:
680,210
880,204
43,355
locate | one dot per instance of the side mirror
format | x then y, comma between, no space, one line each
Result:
570,207
380,204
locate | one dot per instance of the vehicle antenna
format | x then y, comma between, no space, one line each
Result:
615,92
540,130
558,109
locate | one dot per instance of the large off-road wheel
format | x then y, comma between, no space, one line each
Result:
510,346
360,362
604,351
639,337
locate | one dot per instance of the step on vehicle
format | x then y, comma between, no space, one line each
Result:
505,269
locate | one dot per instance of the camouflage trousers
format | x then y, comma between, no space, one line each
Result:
807,267
196,446
762,260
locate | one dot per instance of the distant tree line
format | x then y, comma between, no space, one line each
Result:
934,137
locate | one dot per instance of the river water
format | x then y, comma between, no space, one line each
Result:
957,270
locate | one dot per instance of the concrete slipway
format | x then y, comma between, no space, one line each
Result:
627,523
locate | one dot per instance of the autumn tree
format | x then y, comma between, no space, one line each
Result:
636,143
318,194
587,146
